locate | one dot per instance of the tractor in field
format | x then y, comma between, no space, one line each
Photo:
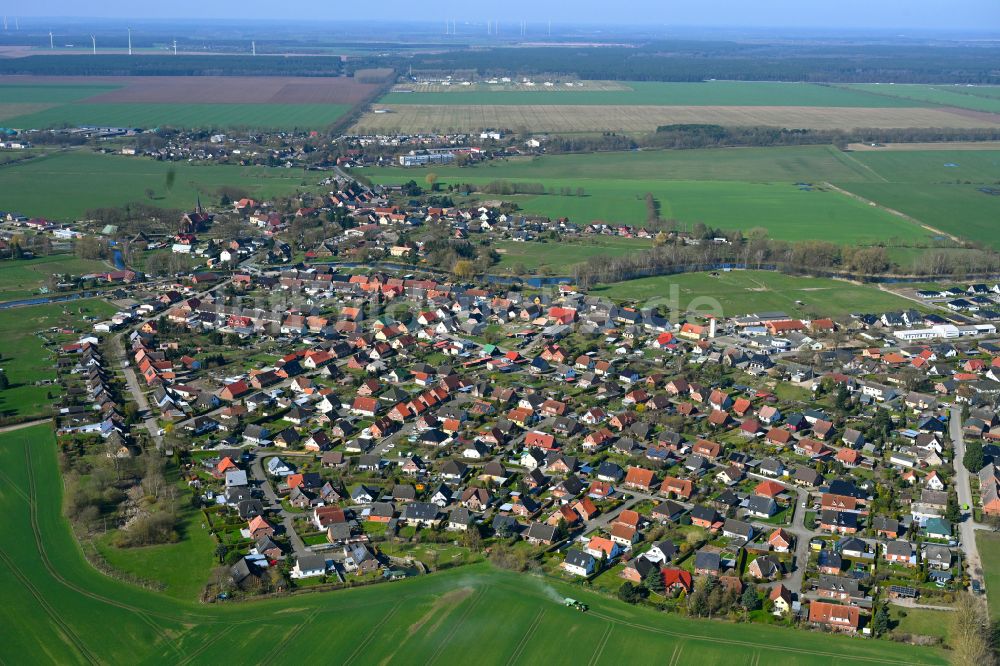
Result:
573,603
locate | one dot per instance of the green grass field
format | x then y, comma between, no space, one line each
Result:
921,622
57,609
730,189
642,93
742,292
758,165
966,97
989,553
26,361
939,188
559,257
183,567
257,116
86,180
22,279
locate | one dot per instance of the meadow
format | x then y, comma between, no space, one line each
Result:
742,188
23,279
655,93
739,188
743,292
57,609
989,552
63,186
939,188
560,257
25,360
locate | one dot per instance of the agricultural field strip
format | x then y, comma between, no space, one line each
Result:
645,93
565,119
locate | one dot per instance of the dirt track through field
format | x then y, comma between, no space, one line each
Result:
627,118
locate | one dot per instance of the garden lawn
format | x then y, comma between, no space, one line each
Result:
920,622
742,292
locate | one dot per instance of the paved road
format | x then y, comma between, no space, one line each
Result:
132,381
287,520
793,581
967,528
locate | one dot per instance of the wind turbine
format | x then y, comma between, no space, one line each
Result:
130,41
51,43
93,41
5,23
253,47
175,47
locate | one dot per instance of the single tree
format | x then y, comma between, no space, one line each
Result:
974,458
880,623
221,551
654,581
749,600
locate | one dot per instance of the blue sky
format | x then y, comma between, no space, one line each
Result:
981,15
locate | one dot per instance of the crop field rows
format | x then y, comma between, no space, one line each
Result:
57,609
569,118
275,102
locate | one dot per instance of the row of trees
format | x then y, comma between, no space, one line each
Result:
757,250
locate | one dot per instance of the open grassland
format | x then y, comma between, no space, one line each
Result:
989,552
57,609
731,189
645,93
195,102
560,256
26,361
805,163
580,118
975,98
742,292
22,279
183,567
86,180
940,188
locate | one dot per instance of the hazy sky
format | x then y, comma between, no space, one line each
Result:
981,15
